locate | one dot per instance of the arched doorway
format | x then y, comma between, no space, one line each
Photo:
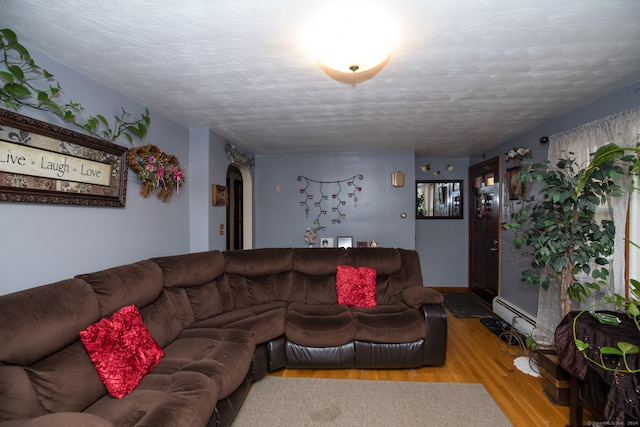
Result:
240,208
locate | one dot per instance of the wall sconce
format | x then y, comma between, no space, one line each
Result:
397,179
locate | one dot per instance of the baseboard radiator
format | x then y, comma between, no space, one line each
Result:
525,323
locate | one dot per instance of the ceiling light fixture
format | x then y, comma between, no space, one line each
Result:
352,42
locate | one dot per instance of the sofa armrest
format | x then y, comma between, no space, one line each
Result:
60,419
435,343
415,296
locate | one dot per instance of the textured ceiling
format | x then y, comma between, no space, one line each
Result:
466,74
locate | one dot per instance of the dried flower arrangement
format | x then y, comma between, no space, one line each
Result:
156,169
517,154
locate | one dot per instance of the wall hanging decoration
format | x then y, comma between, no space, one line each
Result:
156,170
237,156
43,163
328,198
219,195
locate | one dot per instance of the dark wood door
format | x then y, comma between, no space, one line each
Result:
237,214
235,209
484,229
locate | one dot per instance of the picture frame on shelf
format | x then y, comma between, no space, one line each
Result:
345,241
361,244
326,242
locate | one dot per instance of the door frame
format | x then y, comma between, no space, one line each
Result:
471,205
247,205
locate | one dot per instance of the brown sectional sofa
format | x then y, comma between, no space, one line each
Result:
223,320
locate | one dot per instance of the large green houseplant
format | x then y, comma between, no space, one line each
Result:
560,228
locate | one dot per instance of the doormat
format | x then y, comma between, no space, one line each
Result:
464,305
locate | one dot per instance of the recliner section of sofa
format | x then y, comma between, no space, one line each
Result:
223,319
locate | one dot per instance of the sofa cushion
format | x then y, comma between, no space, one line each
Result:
121,349
415,296
356,286
207,300
264,322
39,321
180,399
391,323
66,380
223,355
62,419
319,325
388,265
139,283
191,269
162,320
259,276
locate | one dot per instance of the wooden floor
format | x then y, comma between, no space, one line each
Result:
473,356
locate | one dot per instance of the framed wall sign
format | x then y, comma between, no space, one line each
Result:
44,163
439,199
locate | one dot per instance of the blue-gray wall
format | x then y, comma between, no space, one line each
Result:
443,243
280,220
40,244
511,262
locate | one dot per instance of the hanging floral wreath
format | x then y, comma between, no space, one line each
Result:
156,169
517,154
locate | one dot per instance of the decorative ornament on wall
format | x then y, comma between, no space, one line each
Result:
156,170
236,155
328,198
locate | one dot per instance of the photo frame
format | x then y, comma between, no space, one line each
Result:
219,195
345,241
514,184
361,244
326,242
439,199
44,163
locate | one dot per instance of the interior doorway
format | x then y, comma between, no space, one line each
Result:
484,229
240,208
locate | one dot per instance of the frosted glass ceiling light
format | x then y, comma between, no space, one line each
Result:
351,40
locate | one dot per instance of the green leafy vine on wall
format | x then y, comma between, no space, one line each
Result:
29,85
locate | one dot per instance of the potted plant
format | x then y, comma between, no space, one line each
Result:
568,244
629,306
560,230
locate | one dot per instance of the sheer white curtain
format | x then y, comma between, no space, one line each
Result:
580,143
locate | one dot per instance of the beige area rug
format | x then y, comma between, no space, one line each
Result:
279,401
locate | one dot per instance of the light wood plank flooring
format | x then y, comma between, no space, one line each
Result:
473,356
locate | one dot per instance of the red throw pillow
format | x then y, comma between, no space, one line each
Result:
122,350
356,286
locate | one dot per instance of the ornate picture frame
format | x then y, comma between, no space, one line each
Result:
44,163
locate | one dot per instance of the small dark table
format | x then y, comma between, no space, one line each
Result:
615,395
